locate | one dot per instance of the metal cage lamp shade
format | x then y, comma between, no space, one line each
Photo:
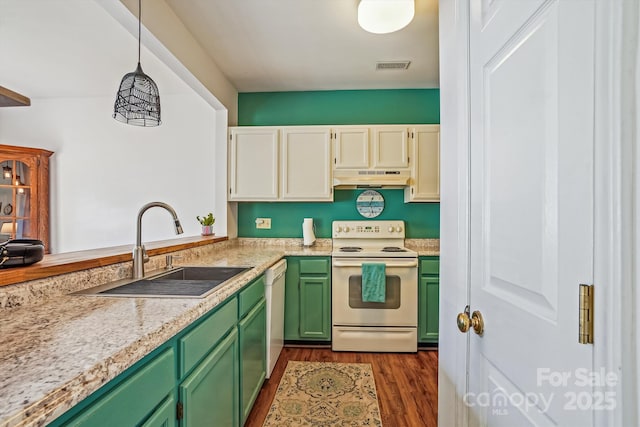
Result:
138,100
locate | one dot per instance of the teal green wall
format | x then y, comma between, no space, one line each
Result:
342,107
422,220
348,107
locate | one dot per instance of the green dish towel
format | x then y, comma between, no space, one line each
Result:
374,281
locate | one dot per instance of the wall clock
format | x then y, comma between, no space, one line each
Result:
370,204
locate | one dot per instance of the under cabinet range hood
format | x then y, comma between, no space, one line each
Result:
9,98
371,178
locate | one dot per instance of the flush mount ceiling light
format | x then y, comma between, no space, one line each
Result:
385,16
137,101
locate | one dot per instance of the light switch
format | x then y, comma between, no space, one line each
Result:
263,223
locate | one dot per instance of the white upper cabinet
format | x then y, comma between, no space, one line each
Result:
253,164
280,163
390,147
372,147
303,163
351,148
425,165
306,164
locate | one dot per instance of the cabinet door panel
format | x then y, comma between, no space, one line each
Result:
306,164
253,353
428,312
352,148
253,164
164,416
425,172
315,308
390,147
210,395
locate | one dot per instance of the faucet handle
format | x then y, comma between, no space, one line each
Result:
145,257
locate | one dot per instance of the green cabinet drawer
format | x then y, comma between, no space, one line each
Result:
201,339
429,265
250,296
135,399
314,266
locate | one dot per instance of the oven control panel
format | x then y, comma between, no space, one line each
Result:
368,229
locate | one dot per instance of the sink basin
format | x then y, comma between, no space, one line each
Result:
203,273
182,282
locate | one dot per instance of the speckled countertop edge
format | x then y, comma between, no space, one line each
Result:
57,353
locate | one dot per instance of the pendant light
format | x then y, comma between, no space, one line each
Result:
137,101
385,16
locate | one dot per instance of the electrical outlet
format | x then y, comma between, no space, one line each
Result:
263,223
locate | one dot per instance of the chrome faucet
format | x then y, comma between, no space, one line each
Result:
139,252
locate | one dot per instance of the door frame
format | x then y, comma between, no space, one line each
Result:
616,199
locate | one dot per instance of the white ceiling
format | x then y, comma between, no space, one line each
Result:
289,45
70,48
67,48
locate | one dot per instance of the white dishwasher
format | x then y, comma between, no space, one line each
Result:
274,294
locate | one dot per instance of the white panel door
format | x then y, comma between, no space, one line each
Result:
390,147
351,148
531,148
306,164
253,164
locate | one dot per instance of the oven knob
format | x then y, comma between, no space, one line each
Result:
338,229
391,229
399,229
346,229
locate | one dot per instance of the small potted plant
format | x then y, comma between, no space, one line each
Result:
207,224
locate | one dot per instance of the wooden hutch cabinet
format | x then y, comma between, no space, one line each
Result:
24,193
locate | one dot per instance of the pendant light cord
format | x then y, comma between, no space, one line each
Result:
139,26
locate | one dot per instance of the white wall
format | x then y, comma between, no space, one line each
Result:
103,171
69,57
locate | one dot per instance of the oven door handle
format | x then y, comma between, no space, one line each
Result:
411,263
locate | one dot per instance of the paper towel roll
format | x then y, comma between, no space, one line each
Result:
308,236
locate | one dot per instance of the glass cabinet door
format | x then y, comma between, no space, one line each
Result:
24,194
16,194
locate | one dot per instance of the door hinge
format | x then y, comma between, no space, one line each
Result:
586,303
179,411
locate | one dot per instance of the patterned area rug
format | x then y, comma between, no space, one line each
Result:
325,394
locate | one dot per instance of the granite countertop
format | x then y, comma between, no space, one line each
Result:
56,353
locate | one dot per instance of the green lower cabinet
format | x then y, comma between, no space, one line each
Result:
210,394
253,353
308,299
428,297
164,416
207,375
137,399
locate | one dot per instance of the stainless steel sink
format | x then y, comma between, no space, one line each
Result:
181,282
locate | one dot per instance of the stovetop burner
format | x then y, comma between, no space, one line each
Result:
350,249
393,249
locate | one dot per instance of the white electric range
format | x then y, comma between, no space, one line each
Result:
357,325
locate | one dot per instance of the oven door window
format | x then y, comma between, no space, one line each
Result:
392,291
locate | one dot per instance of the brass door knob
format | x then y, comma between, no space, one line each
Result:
475,321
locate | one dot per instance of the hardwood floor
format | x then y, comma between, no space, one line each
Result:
407,384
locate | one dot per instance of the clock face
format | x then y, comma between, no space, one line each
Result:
370,204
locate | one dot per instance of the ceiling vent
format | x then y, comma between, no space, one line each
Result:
392,65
